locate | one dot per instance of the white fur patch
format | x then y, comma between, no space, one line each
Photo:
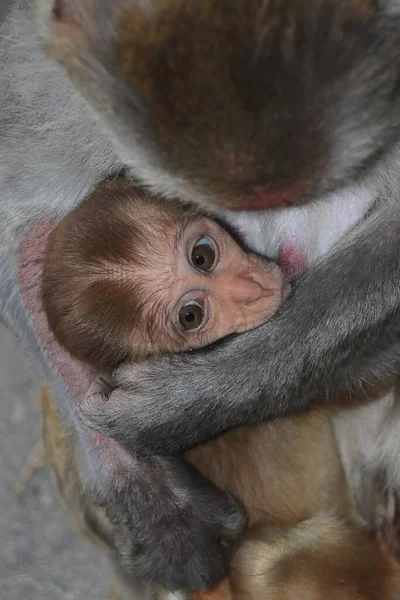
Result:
313,228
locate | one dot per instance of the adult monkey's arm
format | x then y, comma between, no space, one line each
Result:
337,335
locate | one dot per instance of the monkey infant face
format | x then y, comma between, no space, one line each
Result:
127,275
207,287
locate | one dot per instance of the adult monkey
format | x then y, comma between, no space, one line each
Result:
246,105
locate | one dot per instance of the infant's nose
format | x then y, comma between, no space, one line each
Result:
246,290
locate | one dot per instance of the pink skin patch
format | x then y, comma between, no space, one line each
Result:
291,260
75,374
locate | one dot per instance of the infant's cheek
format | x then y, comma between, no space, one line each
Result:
224,324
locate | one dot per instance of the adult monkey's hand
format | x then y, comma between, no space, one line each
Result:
328,338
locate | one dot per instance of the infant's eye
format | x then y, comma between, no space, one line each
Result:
191,315
203,254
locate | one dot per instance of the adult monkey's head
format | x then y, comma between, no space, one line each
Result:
240,103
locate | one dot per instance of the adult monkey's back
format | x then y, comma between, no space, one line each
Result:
245,104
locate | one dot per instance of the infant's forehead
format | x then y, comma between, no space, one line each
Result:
156,293
155,266
165,231
160,283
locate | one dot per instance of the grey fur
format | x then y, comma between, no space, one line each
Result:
51,147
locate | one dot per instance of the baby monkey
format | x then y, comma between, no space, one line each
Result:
128,275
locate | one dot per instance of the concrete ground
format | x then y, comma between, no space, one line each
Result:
41,558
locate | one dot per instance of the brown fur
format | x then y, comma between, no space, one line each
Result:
275,459
324,557
301,545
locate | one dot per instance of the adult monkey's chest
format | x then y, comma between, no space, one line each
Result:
298,236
